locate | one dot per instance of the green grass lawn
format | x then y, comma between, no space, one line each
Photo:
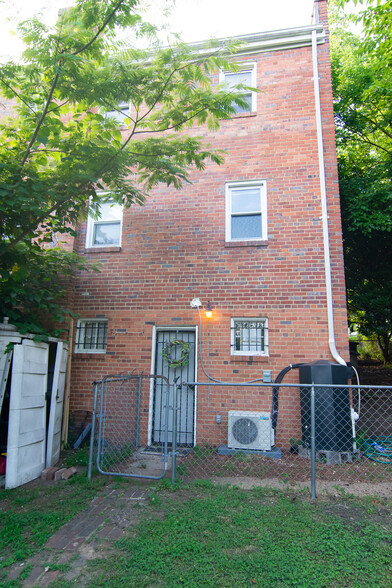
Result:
205,536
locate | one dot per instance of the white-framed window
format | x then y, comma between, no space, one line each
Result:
249,336
91,336
105,231
247,77
120,113
246,211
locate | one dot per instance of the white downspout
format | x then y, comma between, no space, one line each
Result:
324,217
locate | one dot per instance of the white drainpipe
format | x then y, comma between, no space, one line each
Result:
324,218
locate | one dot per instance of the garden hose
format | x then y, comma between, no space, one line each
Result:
378,449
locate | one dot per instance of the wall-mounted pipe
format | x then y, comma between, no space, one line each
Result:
324,217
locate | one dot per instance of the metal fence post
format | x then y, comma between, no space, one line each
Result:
174,438
92,434
139,393
166,427
101,417
313,442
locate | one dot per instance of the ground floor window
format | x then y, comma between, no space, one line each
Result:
91,336
249,336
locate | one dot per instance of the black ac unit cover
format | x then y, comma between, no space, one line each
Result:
333,429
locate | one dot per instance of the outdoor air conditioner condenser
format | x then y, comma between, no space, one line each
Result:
250,430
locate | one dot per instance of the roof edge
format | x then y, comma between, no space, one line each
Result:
270,40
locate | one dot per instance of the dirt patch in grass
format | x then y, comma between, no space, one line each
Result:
381,491
288,469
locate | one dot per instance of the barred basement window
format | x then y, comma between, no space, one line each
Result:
91,336
249,336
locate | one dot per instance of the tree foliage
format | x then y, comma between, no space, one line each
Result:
34,291
363,113
375,21
61,154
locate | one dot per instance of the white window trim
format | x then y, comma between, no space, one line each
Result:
89,350
120,107
91,222
264,320
262,184
252,68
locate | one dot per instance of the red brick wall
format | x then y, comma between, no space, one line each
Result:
173,249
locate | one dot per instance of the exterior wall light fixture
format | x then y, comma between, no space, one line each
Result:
208,310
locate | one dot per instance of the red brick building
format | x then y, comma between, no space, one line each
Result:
249,237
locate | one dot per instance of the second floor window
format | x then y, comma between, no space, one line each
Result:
105,231
246,211
119,114
246,77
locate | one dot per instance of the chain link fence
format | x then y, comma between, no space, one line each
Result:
288,433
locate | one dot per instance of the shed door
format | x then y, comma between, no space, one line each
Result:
56,406
5,363
186,399
27,418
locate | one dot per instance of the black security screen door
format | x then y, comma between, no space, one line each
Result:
185,373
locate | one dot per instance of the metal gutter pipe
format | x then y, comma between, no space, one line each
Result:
324,217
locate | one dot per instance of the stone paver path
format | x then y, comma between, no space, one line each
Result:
83,538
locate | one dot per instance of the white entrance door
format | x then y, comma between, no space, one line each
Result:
56,406
27,417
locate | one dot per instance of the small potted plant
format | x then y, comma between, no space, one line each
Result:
294,445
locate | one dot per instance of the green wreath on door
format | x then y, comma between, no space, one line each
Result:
169,353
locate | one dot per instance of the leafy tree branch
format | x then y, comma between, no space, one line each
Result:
61,153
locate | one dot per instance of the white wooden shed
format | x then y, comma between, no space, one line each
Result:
31,403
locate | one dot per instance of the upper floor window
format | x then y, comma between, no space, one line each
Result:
91,336
247,77
249,336
105,231
246,211
120,113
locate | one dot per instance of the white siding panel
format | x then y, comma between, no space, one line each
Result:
30,465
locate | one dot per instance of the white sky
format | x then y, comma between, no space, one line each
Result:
195,20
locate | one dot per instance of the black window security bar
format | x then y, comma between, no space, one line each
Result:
249,336
91,335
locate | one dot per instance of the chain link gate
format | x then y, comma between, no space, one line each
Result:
121,427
